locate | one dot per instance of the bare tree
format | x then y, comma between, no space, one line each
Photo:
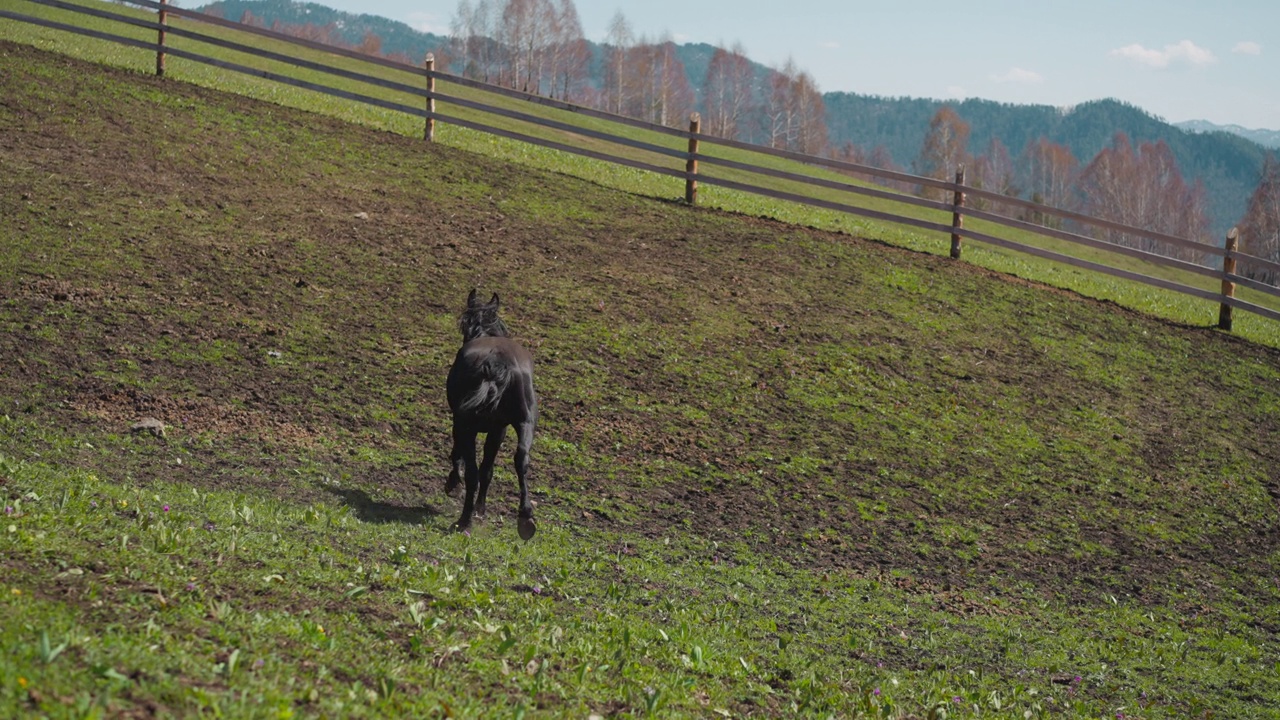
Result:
1260,227
619,42
1142,187
727,92
794,112
661,92
993,171
526,32
471,39
570,54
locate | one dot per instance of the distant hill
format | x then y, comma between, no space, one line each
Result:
397,37
1228,161
1265,138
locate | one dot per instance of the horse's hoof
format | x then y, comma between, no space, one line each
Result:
464,529
526,527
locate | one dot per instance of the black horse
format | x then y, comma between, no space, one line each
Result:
490,386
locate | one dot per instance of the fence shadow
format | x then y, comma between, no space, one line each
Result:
369,510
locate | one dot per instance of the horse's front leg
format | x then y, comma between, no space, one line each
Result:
464,443
492,444
524,440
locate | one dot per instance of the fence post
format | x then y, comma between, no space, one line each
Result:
1228,287
691,165
164,20
957,220
430,133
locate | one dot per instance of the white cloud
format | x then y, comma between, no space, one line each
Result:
830,45
956,92
1247,47
427,23
1183,52
1019,76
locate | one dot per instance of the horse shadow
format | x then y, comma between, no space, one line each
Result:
372,511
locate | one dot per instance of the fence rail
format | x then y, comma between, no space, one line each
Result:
694,157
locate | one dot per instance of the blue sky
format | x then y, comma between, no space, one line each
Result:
1216,60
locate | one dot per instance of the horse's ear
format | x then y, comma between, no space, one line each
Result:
471,298
494,301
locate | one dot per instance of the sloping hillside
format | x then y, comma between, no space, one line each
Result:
853,477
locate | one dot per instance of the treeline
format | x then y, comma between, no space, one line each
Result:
1227,165
1134,183
1080,159
538,46
1137,185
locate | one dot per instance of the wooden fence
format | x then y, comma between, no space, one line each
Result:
692,161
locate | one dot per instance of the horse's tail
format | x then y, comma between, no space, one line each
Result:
495,376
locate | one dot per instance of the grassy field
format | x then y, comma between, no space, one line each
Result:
780,471
1138,296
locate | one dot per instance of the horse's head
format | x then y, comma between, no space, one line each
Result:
481,319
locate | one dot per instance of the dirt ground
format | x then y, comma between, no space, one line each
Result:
279,288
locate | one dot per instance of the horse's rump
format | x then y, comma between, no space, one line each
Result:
483,374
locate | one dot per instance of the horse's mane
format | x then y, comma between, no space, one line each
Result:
481,320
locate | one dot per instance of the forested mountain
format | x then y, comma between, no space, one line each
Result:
1227,164
1266,138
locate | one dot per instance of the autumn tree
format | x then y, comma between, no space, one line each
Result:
727,92
370,44
248,18
994,171
945,149
1143,187
1260,228
880,157
1049,173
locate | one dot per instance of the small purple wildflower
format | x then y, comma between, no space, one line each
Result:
191,587
259,663
537,589
956,700
166,508
93,503
8,509
876,692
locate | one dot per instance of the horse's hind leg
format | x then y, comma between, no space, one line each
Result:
524,440
456,468
492,444
464,444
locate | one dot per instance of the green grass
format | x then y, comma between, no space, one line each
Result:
1139,296
777,469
